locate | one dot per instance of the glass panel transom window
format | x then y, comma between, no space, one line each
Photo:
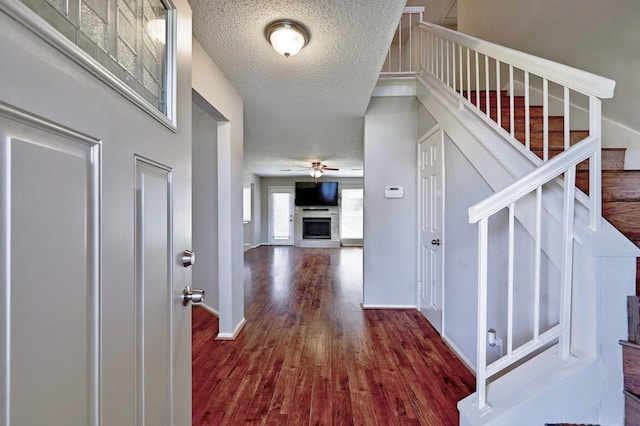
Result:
129,38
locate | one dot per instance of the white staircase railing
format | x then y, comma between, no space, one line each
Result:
477,67
563,164
401,60
475,71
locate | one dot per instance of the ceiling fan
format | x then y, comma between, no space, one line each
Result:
317,168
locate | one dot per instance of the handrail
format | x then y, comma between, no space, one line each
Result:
538,177
576,79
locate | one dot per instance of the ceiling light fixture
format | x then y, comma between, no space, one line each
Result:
286,36
315,173
316,170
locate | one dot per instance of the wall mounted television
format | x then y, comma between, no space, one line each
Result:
316,194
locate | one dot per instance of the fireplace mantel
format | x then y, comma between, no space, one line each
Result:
317,212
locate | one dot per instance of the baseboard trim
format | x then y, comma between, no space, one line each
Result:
370,306
209,309
458,352
232,336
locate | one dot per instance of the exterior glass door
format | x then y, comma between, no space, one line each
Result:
281,215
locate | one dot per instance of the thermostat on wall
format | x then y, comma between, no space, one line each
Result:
393,192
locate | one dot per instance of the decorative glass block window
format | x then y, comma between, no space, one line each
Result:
132,39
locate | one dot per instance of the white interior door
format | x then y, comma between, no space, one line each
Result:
281,208
432,227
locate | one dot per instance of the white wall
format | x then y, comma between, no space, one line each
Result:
266,182
212,85
205,202
390,240
598,36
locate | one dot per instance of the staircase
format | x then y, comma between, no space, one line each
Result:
541,233
620,188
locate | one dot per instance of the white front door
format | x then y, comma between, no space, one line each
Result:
49,274
67,325
281,210
431,227
153,292
95,212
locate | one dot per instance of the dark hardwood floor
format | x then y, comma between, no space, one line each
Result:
310,355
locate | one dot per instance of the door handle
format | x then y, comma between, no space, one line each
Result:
195,295
188,258
435,242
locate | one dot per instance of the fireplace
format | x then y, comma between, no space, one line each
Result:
316,228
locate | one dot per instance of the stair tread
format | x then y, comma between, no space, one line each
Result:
624,216
617,185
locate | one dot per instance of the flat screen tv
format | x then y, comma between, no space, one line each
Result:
316,193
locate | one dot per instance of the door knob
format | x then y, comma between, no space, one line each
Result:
195,295
188,258
435,242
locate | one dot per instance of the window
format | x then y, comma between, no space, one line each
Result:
129,39
351,214
246,204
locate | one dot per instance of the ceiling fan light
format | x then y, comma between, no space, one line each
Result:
287,37
315,173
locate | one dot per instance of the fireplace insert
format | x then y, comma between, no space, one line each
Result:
316,228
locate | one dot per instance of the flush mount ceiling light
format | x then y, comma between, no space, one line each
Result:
286,36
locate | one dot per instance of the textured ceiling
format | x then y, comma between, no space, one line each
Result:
310,106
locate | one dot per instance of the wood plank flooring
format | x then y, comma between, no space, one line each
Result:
310,355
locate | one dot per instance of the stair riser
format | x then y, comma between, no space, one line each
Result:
556,137
535,124
631,368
